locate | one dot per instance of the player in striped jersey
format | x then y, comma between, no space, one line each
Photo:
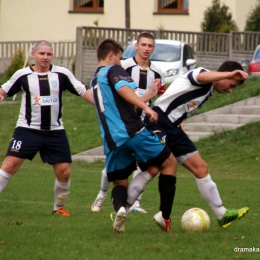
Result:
39,127
182,98
143,72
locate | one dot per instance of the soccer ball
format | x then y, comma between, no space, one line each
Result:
195,220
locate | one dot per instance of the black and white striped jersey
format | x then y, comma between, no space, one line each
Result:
142,77
184,96
41,105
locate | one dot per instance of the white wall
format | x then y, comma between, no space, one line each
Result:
25,20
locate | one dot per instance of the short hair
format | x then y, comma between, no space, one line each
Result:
40,43
107,46
145,35
230,65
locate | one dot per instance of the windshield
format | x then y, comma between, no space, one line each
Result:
162,52
257,55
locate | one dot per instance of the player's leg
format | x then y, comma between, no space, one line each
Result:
136,207
98,202
154,157
9,167
56,151
61,187
23,145
167,188
209,191
120,164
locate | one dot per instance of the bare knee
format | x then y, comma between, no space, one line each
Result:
201,171
62,171
11,164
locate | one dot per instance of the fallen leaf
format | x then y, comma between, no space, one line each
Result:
10,222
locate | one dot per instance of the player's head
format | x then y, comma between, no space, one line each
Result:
110,49
42,53
144,45
227,85
145,35
41,43
230,65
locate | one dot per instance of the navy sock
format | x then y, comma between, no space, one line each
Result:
167,189
119,197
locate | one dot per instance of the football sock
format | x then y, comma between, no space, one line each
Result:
104,183
137,186
118,197
61,191
209,191
4,178
167,189
138,170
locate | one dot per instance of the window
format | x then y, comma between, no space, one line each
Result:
88,5
173,6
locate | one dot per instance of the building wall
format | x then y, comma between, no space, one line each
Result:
51,20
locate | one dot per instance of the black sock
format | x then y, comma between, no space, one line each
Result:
119,197
167,192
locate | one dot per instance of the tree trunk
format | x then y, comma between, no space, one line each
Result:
127,14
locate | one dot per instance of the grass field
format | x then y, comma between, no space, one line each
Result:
28,230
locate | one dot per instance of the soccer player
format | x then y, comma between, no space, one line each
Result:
125,139
39,127
182,98
143,72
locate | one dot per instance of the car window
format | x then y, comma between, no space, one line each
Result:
162,52
257,55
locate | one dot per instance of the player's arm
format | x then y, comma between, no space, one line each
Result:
2,94
88,97
129,95
211,76
155,86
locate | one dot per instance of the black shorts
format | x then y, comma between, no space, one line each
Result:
173,136
53,145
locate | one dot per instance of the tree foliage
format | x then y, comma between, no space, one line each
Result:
253,19
217,18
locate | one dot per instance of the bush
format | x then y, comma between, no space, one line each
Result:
217,18
16,64
253,19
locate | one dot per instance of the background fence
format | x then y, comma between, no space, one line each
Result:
64,53
211,48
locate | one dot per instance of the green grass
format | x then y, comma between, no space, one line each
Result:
28,230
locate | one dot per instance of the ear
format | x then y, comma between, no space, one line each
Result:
110,55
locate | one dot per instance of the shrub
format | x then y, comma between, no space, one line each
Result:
16,64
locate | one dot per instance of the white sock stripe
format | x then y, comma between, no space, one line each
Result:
203,180
5,174
63,185
147,175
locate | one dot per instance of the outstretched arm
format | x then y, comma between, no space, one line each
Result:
211,76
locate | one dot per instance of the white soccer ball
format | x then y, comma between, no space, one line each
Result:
195,220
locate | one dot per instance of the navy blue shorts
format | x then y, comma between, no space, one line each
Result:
144,148
53,146
173,136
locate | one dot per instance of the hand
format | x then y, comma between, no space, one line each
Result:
239,75
153,116
1,97
156,84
